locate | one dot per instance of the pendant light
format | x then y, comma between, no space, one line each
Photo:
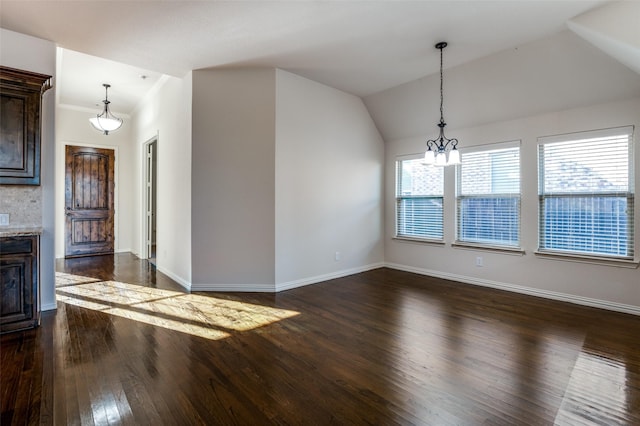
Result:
106,122
442,151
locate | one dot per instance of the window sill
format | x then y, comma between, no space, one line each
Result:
593,260
419,240
500,249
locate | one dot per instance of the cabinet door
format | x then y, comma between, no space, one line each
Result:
16,303
20,95
18,283
19,142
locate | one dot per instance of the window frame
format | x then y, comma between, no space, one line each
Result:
629,195
399,199
493,244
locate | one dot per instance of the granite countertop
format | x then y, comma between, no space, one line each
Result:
20,231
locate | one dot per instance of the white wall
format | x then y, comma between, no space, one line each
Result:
73,128
166,114
614,28
233,179
286,172
33,54
328,176
612,286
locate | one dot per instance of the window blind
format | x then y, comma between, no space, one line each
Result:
488,195
419,194
586,196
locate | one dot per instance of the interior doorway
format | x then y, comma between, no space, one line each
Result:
151,204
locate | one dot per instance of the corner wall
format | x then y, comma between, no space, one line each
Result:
286,172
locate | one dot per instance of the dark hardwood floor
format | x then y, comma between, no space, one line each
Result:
128,346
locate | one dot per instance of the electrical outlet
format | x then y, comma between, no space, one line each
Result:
479,261
338,256
4,219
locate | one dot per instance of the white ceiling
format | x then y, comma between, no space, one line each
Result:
80,79
361,47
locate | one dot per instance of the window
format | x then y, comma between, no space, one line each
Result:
488,196
419,193
586,193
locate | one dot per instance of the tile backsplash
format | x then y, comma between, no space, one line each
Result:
23,203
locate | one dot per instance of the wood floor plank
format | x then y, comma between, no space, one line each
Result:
128,346
14,354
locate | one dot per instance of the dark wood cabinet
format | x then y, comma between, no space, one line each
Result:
20,105
19,283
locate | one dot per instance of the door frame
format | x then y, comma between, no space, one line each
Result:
145,250
60,195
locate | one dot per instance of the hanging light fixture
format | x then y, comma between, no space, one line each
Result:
442,151
106,122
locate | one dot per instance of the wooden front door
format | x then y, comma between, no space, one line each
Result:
89,205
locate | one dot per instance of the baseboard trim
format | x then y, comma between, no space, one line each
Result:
325,277
271,288
184,283
240,288
563,297
49,307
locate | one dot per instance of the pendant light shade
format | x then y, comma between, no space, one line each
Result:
429,157
454,157
442,151
106,122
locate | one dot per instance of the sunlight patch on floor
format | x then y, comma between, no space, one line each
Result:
204,316
63,280
596,394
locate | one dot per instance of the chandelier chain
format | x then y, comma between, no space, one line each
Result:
441,89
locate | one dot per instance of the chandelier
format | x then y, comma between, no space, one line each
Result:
106,122
442,151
